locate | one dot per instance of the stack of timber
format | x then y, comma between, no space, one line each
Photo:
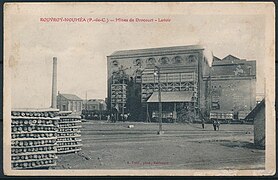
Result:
69,133
33,138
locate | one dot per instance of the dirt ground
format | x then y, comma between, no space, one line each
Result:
182,146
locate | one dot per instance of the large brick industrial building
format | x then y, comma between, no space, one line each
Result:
193,82
233,86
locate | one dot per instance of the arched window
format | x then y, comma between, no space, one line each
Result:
164,60
115,63
249,70
177,60
191,58
151,61
137,62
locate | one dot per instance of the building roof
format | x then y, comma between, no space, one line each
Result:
233,66
253,113
156,50
71,97
216,58
177,96
228,60
230,57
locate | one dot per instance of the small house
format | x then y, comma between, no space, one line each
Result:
69,102
258,116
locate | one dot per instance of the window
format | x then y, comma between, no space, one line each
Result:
249,70
137,62
164,60
215,105
191,58
115,63
177,60
151,61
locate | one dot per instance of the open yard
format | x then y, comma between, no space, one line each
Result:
182,146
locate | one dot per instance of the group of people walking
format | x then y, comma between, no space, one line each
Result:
215,124
115,117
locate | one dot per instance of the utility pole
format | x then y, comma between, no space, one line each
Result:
86,105
159,102
100,110
123,104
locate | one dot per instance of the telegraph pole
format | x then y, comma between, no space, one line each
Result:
159,102
86,105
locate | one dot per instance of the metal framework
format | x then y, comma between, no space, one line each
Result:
119,92
182,81
170,81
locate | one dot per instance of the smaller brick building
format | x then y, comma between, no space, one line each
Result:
69,102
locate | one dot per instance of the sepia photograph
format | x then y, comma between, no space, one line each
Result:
149,89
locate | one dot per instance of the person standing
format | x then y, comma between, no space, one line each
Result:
174,116
218,125
214,124
125,117
112,117
203,123
116,113
108,118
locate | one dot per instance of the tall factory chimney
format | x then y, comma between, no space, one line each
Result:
54,84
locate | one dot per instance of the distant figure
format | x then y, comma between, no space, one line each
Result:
128,116
115,114
174,116
203,124
214,124
125,117
112,117
108,118
218,125
122,117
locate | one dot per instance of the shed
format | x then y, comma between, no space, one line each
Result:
258,115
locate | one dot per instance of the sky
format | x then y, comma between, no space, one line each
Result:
81,48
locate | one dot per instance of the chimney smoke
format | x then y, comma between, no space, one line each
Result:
54,84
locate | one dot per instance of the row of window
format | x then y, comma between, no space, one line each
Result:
162,60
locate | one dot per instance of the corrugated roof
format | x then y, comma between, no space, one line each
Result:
177,96
156,50
71,97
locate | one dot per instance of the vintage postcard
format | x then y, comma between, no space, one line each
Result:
148,89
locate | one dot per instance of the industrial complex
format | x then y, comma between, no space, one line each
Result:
194,85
